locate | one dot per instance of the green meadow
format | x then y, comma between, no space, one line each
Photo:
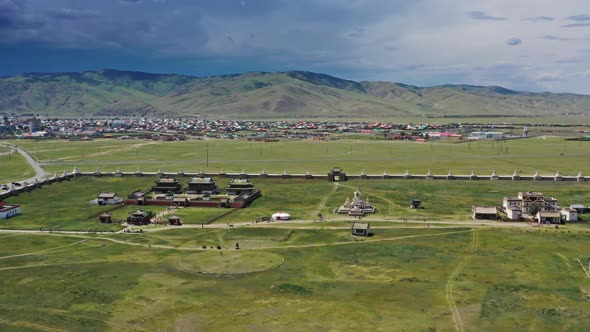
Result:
546,154
302,275
302,279
14,167
66,205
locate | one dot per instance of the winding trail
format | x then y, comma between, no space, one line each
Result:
44,251
450,283
312,245
29,325
326,198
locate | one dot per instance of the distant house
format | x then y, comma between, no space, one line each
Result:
579,207
180,201
548,217
485,212
569,214
105,218
360,229
107,198
8,210
174,220
486,135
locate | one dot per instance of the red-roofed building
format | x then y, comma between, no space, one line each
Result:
8,210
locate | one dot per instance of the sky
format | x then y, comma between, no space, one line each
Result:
531,45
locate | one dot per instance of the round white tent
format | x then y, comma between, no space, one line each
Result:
281,216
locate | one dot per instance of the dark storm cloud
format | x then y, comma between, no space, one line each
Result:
14,16
479,15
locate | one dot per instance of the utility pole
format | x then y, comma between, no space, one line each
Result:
207,144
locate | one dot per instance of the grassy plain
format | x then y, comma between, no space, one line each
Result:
14,167
546,154
308,276
412,279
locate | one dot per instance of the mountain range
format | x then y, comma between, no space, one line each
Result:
266,95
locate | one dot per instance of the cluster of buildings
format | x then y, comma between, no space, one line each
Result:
168,191
32,126
530,205
200,191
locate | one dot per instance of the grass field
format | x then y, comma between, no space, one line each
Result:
400,279
65,205
546,154
14,167
299,276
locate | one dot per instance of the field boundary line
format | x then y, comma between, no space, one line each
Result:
29,325
325,198
583,268
64,313
44,251
457,320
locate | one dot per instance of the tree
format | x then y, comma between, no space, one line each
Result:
535,209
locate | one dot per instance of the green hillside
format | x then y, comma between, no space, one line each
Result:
257,94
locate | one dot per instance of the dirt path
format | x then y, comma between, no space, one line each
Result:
44,251
156,246
63,313
325,199
583,268
29,325
449,288
102,153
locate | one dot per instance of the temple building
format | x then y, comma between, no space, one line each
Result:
138,217
357,207
166,185
239,186
202,186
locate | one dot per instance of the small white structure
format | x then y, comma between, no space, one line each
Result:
485,135
548,217
8,210
513,213
569,214
357,207
281,216
105,198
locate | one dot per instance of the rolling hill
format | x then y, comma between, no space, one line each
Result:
258,95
